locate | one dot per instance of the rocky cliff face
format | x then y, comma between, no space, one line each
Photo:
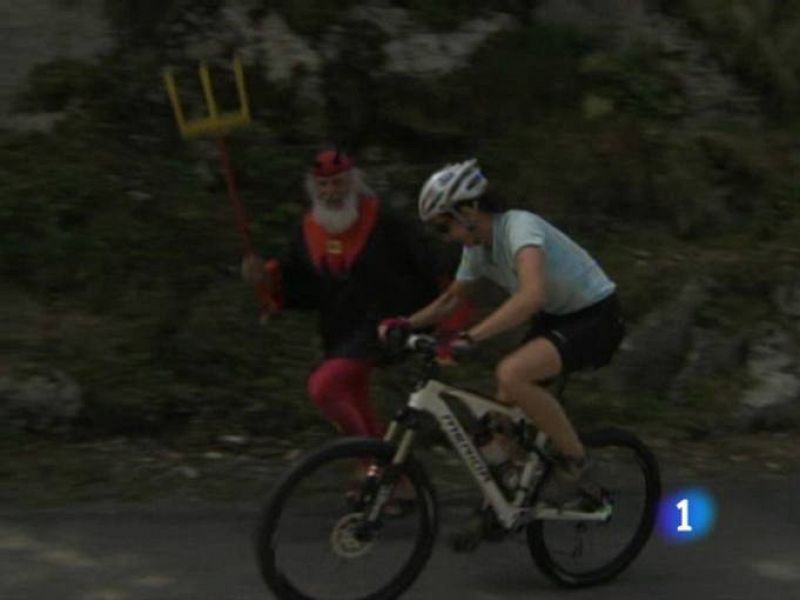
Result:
35,33
710,90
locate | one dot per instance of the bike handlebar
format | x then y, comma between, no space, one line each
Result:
420,342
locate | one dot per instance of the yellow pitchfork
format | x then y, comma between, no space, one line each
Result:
220,124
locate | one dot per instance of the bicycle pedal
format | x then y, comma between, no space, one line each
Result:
483,527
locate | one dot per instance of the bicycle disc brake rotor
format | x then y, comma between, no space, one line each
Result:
344,539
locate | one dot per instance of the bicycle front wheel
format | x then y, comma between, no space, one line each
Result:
315,540
577,553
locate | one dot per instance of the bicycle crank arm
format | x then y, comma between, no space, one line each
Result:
543,512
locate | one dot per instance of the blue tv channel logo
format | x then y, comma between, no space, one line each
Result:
687,515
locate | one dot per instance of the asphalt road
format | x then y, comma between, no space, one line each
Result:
176,549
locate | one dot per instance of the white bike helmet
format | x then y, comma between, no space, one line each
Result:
449,186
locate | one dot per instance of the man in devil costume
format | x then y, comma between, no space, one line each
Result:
356,264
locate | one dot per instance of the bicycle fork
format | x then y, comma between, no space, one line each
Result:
389,478
381,482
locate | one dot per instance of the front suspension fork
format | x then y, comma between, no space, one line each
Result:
400,433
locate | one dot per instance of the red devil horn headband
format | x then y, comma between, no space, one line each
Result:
332,162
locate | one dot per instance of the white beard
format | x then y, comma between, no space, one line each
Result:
336,220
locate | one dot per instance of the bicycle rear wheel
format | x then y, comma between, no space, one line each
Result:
581,553
313,540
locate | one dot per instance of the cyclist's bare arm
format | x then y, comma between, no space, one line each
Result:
443,306
525,302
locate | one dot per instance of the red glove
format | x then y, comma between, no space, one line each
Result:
452,350
391,323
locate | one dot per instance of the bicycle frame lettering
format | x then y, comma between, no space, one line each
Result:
431,399
459,439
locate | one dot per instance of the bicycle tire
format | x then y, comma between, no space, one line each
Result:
269,549
546,554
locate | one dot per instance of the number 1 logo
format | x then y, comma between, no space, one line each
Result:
687,515
683,506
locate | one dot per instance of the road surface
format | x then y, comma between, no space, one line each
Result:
189,550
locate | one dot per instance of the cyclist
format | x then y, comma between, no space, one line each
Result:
553,283
354,263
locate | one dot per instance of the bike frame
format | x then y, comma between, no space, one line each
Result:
432,398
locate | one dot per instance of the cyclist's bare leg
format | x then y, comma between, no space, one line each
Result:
536,361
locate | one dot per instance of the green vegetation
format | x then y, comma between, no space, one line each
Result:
758,40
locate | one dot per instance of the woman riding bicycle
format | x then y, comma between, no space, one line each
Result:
553,283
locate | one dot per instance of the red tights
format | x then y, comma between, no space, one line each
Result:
339,387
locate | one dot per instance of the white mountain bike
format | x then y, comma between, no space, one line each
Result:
327,532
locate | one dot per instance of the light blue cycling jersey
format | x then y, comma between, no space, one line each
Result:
573,279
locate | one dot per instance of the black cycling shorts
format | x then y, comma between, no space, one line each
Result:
586,339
